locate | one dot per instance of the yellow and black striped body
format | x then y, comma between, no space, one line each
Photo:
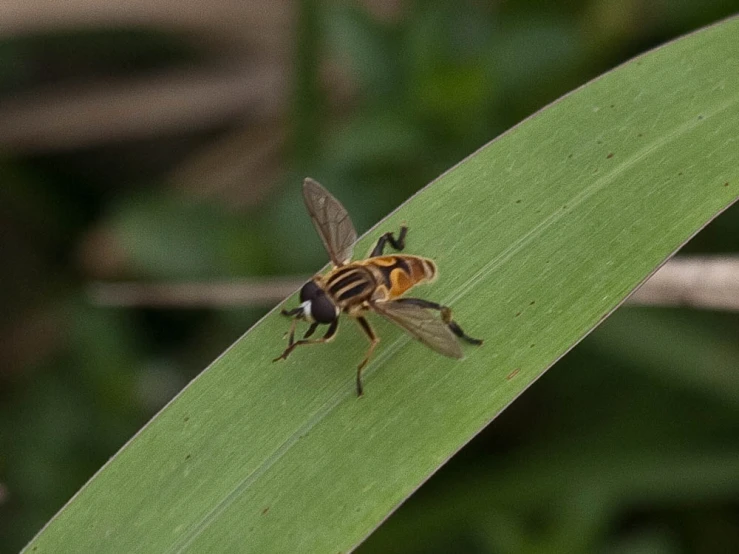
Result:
377,279
370,285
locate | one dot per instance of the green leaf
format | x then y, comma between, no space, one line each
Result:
538,237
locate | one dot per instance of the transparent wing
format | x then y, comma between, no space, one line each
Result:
422,325
331,221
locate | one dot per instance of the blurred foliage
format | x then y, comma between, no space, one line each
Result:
629,445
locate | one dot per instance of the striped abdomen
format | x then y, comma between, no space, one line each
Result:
395,275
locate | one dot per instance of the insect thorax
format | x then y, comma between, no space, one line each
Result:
350,285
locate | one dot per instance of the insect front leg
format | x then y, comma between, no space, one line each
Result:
292,313
293,345
311,329
446,317
398,243
364,324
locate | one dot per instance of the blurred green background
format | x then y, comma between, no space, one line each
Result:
166,143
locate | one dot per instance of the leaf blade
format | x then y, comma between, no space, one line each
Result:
538,236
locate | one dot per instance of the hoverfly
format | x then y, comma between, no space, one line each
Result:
373,284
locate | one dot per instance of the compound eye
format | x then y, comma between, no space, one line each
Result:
322,309
309,291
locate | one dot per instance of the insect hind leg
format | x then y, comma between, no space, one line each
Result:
446,317
457,330
397,244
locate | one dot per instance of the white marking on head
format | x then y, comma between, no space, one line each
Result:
306,310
